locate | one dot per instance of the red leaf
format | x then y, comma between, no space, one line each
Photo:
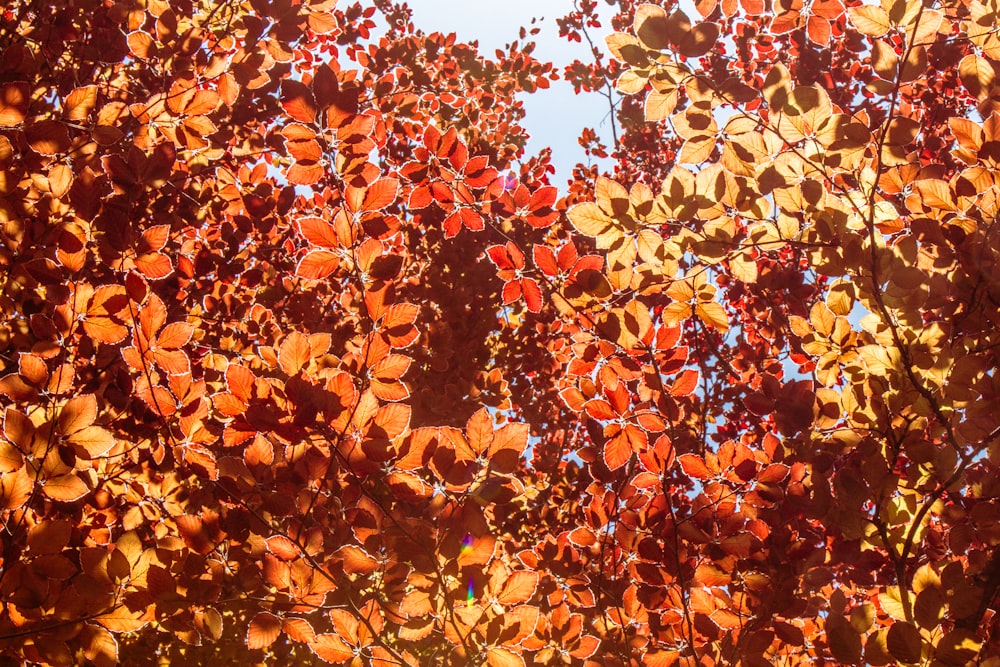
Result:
774,473
532,294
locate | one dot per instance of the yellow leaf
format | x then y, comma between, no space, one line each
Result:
977,75
870,20
714,315
660,105
675,313
611,196
123,619
589,219
744,267
631,82
892,603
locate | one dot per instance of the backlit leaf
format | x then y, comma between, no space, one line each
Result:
263,630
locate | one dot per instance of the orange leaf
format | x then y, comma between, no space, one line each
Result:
123,619
319,232
96,441
263,630
15,488
297,100
175,335
104,330
65,488
154,265
518,588
479,430
99,645
330,648
78,413
14,98
49,537
79,103
499,656
294,353
318,264
282,547
380,194
392,367
694,466
685,383
298,629
346,625
141,44
708,574
617,450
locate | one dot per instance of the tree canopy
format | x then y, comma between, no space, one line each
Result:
306,361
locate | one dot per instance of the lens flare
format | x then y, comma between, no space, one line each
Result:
467,543
470,595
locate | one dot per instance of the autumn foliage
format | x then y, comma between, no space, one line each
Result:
304,360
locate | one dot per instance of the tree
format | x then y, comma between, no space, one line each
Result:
304,357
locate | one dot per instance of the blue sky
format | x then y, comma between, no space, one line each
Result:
555,116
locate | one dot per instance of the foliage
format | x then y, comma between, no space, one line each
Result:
302,363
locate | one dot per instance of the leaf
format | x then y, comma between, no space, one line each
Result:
651,27
65,488
589,219
99,645
685,383
694,466
263,630
714,315
15,488
518,588
123,619
479,430
294,353
78,413
14,99
977,75
49,537
78,105
94,440
845,643
617,451
318,264
298,629
380,194
904,642
498,656
297,101
870,20
330,648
